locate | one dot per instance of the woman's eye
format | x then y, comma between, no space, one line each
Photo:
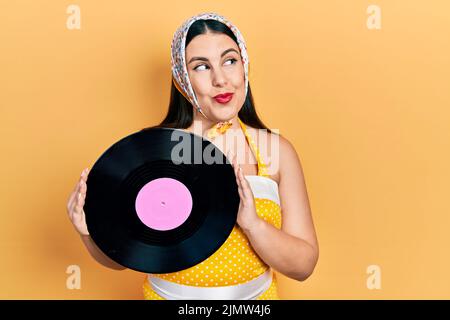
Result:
233,60
200,65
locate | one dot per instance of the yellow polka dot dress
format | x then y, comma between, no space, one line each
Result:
235,262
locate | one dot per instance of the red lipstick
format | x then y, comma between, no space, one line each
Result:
224,97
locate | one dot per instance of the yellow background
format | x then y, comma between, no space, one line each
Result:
367,110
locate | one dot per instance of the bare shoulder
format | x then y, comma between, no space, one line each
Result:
290,164
287,150
284,160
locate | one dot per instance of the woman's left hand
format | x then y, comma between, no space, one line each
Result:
247,215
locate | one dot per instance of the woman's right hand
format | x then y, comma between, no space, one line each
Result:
76,203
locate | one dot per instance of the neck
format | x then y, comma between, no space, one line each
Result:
202,125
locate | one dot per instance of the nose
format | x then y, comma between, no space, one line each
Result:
219,78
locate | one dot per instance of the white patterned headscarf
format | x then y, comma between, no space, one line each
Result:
178,59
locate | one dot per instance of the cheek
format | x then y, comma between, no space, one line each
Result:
238,82
200,85
238,78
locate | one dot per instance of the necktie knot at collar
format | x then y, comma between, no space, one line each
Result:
179,68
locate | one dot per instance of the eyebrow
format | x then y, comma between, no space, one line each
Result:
206,59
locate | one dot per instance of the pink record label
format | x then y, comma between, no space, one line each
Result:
163,204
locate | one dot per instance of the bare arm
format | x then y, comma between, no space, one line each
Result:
293,250
287,254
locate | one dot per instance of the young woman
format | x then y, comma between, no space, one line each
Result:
274,229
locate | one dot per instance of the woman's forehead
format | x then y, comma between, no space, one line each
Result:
210,44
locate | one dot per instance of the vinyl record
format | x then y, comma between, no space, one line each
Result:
152,214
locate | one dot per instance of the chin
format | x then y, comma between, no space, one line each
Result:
225,114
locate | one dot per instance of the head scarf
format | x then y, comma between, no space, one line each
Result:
179,68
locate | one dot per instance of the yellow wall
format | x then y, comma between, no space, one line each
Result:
367,110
